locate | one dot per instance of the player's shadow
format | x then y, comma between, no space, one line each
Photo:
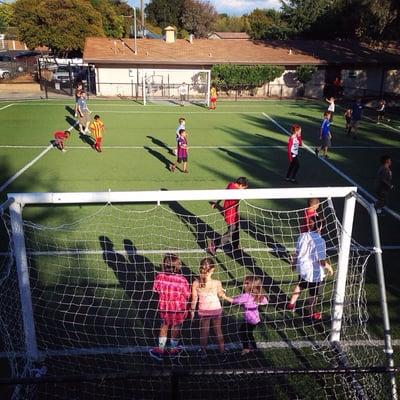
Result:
71,121
135,274
167,163
87,139
70,110
160,143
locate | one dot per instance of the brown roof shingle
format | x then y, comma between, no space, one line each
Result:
230,35
208,52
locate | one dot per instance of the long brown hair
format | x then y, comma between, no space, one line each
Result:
254,287
171,264
206,265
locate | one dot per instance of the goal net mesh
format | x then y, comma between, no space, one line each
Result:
95,311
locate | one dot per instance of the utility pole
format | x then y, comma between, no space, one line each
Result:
142,15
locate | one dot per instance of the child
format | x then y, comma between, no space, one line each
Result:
173,296
347,117
59,140
213,97
383,183
325,136
250,300
295,141
78,91
309,212
207,292
310,263
331,107
97,130
183,150
182,125
381,111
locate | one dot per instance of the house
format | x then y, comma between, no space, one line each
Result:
123,66
229,35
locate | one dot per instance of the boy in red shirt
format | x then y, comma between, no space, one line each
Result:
231,216
59,138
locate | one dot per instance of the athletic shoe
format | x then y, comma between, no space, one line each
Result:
211,247
172,168
63,150
245,352
316,151
185,172
174,351
293,180
157,353
287,179
316,316
290,306
326,157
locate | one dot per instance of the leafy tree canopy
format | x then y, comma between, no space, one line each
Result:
163,13
113,24
267,24
225,23
198,17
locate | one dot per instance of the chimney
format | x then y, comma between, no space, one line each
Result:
170,34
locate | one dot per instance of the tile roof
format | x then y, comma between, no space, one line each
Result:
208,52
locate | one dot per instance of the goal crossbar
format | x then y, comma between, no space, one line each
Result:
178,195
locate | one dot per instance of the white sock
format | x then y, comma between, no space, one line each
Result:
162,341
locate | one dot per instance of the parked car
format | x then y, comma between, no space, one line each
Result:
6,58
62,74
4,73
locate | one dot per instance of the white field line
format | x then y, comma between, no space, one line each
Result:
284,345
27,166
338,171
8,105
8,146
79,252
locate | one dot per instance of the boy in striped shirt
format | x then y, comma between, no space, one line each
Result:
97,130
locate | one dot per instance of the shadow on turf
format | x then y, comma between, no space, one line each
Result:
70,110
160,143
167,163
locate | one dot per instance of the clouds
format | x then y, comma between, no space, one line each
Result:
232,7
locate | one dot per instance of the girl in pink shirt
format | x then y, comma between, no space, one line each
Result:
252,297
207,292
173,295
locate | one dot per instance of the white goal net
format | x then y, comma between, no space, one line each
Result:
77,300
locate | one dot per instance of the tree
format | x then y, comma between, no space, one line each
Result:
198,17
267,24
62,25
165,12
113,24
225,23
6,15
305,73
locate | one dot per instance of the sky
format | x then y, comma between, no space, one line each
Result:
232,7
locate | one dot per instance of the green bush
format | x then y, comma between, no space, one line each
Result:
305,72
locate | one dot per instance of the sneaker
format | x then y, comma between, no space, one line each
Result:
172,167
174,351
326,157
293,180
287,179
290,306
316,316
186,171
64,151
245,352
211,247
157,353
316,151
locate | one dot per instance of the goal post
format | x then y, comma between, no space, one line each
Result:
86,285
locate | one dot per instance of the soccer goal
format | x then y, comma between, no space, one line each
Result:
79,317
176,87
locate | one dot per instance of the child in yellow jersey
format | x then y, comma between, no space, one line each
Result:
97,129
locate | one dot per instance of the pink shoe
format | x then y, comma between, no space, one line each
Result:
316,316
157,353
290,306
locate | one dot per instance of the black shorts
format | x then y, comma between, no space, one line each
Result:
313,287
381,113
183,159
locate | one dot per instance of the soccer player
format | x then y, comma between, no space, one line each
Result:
213,97
383,183
311,264
325,136
294,143
83,114
356,115
181,125
183,91
173,296
59,140
183,150
381,111
78,91
97,131
231,216
331,107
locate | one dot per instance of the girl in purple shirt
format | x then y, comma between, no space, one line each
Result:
252,297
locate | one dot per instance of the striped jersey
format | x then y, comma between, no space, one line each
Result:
97,128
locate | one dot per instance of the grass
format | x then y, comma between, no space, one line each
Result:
84,298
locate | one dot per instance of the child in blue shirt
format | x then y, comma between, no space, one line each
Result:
325,136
